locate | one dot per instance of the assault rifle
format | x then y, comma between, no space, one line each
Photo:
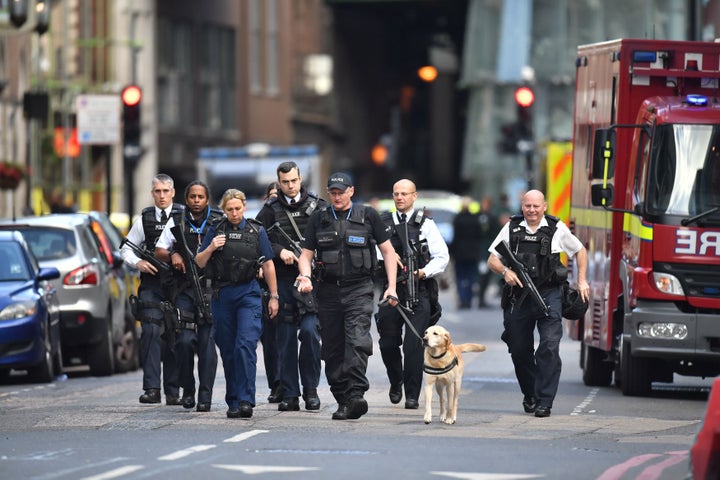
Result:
410,265
146,255
202,309
305,298
517,267
294,244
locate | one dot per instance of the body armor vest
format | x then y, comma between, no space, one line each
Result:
195,232
237,261
414,224
345,247
153,229
535,252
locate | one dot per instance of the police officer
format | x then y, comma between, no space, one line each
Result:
412,234
268,339
344,235
233,250
195,324
152,305
537,240
297,318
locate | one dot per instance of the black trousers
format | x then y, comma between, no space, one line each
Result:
391,325
345,316
156,355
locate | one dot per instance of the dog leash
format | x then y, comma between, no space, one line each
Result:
401,309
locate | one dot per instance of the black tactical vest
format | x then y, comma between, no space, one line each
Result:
345,247
153,229
414,224
535,252
237,261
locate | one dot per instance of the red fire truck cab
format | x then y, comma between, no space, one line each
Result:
646,204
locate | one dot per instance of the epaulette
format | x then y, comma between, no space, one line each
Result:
254,224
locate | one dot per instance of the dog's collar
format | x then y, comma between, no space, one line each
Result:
438,356
439,371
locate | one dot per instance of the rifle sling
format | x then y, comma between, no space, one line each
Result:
294,225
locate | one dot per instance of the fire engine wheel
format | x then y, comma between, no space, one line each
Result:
635,373
597,371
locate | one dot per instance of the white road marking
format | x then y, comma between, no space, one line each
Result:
591,396
186,451
118,472
244,436
255,469
487,476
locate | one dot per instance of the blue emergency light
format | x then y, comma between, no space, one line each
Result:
644,56
697,100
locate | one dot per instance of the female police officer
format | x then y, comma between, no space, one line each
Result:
233,251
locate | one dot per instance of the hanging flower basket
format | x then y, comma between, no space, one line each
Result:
11,174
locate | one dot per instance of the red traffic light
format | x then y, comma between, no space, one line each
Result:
524,96
131,95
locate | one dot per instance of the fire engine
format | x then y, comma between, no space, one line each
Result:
646,204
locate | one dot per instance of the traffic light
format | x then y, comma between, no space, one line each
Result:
131,103
524,98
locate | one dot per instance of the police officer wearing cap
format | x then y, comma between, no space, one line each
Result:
344,235
194,334
286,216
153,294
537,240
412,233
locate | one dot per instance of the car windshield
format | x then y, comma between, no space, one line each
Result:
12,263
50,243
684,177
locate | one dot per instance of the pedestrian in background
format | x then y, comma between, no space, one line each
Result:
195,332
156,354
412,233
344,234
489,228
297,320
465,252
232,251
537,240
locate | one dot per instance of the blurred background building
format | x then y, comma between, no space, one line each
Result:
384,89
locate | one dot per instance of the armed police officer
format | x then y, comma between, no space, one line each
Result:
413,234
151,306
536,240
285,218
233,251
344,234
179,244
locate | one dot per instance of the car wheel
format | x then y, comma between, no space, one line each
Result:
43,371
101,357
127,352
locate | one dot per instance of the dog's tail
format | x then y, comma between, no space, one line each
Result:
472,347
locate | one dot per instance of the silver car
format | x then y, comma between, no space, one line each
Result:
92,289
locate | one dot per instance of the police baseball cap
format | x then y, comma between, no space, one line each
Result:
340,180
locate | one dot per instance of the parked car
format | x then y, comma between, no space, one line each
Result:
92,290
29,312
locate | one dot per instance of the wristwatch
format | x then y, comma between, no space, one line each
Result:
504,272
275,296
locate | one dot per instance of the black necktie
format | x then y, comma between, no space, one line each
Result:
403,218
292,202
163,217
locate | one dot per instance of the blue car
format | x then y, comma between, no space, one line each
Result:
29,312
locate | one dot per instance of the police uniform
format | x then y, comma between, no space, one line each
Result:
152,307
237,303
344,242
295,319
537,371
194,333
431,255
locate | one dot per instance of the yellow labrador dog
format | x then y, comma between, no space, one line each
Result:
444,368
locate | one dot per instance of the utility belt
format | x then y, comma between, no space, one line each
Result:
343,282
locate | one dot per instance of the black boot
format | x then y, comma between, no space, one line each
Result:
312,401
289,404
151,395
276,395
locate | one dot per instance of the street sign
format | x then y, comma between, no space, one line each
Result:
98,119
